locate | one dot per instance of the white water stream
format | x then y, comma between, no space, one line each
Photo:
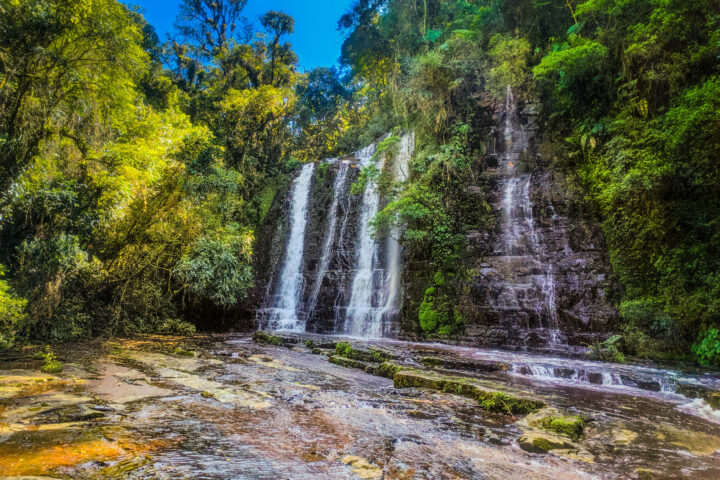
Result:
377,283
284,314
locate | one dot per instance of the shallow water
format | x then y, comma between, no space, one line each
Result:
245,411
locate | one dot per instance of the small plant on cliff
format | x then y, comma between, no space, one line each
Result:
50,362
707,348
608,350
437,315
369,173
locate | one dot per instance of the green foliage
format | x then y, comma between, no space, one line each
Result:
368,174
50,362
436,313
217,269
60,279
130,193
74,62
707,347
12,313
609,350
509,60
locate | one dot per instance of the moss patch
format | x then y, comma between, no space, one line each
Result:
572,427
52,367
497,402
432,362
263,337
183,353
348,362
541,444
344,349
388,370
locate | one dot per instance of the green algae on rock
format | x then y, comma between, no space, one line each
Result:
493,401
264,337
572,426
183,353
348,362
534,442
52,367
344,349
388,370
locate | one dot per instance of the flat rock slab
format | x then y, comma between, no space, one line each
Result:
118,384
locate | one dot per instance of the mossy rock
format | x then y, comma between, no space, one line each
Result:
183,353
344,349
710,396
348,362
536,443
432,362
387,370
645,474
497,402
52,367
310,344
572,426
266,338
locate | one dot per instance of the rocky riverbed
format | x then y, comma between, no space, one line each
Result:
313,407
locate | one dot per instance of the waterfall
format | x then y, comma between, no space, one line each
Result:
520,240
393,272
339,192
360,311
377,283
337,273
283,314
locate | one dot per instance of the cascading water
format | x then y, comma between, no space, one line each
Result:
521,244
377,283
353,279
360,311
393,272
283,314
339,192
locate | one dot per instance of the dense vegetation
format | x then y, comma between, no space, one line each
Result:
630,93
135,173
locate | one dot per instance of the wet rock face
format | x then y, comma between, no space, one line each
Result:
576,246
328,289
542,278
328,268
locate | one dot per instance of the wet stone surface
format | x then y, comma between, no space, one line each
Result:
236,409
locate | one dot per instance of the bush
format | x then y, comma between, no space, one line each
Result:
429,317
60,279
437,315
217,269
12,313
173,326
50,362
707,347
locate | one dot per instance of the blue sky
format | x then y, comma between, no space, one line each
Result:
316,39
